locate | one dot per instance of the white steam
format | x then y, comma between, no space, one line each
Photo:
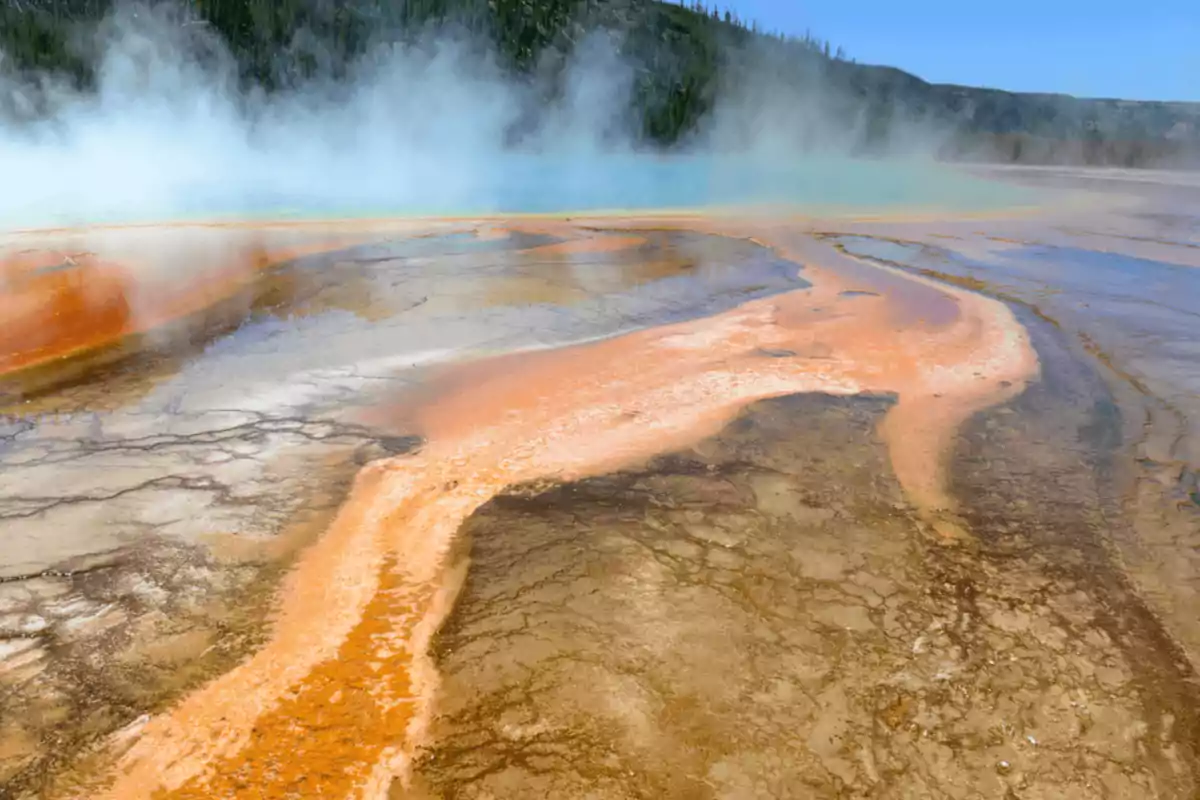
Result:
423,128
167,134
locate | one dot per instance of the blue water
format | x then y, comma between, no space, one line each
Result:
517,184
543,185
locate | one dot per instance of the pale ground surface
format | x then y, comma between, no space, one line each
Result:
1124,285
796,603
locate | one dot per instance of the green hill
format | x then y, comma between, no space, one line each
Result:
685,60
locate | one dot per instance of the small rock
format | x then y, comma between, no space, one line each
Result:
1003,767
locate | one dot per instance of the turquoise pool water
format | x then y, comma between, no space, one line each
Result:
544,184
690,182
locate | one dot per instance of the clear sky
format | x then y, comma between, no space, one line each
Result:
1133,49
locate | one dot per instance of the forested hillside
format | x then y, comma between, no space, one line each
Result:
683,59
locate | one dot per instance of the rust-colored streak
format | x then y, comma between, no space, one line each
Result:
333,703
323,739
57,302
54,305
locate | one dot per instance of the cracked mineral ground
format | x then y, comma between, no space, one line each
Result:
681,506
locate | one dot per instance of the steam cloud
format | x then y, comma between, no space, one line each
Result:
424,128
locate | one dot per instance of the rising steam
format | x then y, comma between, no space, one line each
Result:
433,127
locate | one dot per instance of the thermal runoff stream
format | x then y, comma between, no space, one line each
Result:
672,504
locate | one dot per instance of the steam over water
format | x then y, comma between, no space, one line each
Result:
420,129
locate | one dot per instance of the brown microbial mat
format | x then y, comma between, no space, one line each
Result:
614,507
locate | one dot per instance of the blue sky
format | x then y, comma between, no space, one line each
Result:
1099,48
